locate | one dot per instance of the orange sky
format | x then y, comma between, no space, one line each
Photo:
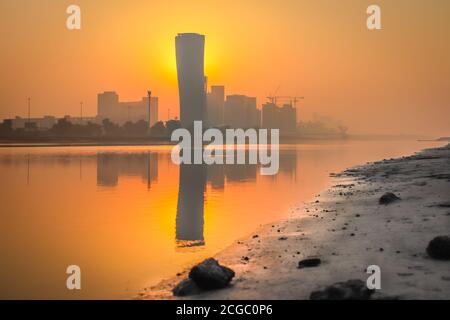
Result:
391,81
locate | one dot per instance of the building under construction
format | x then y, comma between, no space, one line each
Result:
283,118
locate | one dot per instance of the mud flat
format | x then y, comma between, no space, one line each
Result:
348,230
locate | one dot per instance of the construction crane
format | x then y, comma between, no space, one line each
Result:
292,100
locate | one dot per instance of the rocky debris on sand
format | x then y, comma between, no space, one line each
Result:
388,198
439,248
207,275
350,290
444,204
186,287
308,263
380,296
211,275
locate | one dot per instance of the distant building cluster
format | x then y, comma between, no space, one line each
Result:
109,107
43,123
213,108
235,111
240,111
46,122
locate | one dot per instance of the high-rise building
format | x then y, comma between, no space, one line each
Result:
215,102
252,113
107,104
241,112
190,49
269,116
288,118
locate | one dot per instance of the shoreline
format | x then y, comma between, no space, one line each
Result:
165,141
348,230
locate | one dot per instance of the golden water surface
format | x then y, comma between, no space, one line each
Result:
129,217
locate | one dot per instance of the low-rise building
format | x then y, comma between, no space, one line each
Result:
43,123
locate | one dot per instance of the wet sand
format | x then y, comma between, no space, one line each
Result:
348,230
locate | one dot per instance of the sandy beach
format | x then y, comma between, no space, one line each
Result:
348,230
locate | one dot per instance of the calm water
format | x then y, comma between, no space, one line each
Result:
129,217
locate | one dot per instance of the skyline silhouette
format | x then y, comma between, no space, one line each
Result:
371,81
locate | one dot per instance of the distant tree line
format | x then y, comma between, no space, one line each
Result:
318,128
66,129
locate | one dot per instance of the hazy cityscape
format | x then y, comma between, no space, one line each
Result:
198,101
233,152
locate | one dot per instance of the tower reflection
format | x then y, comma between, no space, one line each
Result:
190,208
193,184
192,188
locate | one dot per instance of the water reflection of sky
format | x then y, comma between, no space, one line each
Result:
130,217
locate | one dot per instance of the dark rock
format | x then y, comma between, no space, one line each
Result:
308,263
439,248
211,275
186,287
444,204
349,290
282,238
380,296
388,198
